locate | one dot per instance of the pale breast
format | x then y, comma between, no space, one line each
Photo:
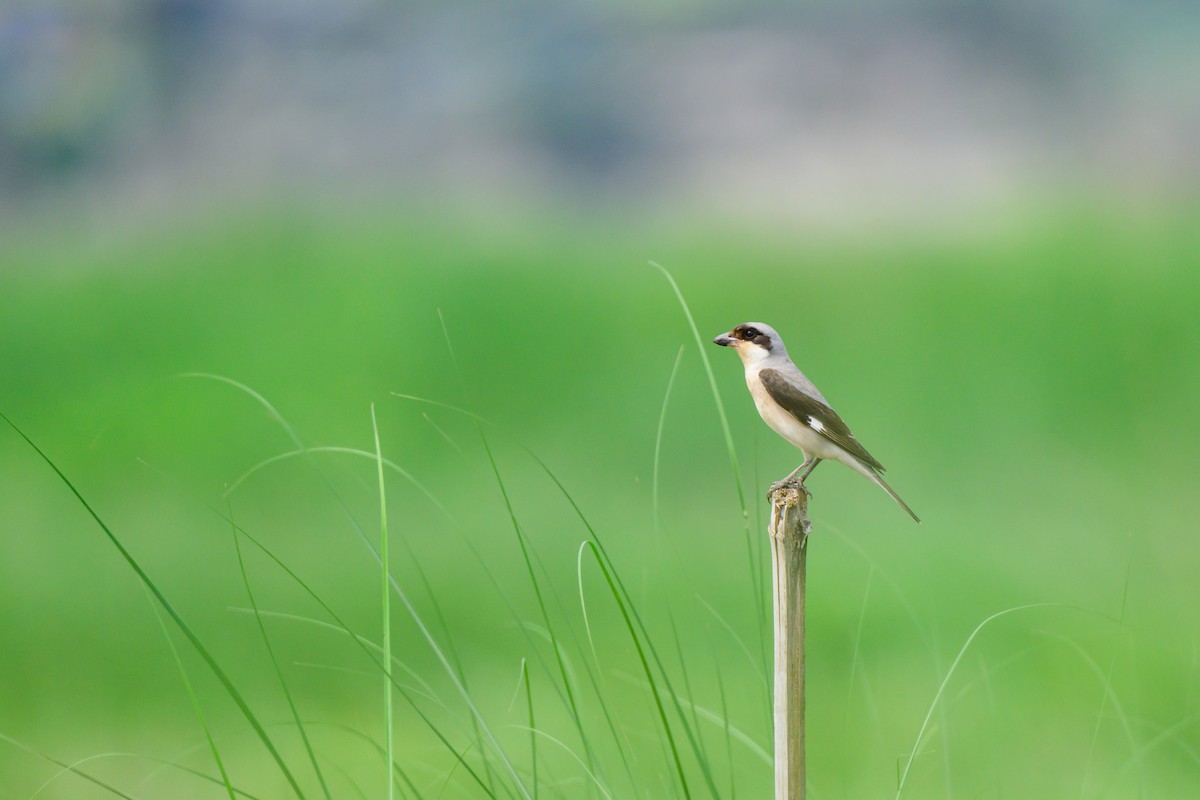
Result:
786,425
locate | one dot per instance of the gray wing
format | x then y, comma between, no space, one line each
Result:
803,407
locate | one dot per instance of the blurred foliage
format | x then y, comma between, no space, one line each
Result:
1030,389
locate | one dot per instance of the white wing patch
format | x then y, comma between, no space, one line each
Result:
815,424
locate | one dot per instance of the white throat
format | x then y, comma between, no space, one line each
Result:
753,356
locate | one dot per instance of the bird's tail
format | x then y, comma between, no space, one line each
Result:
883,485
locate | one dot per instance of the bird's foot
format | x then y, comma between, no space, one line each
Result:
788,483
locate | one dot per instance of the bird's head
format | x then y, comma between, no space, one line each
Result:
753,341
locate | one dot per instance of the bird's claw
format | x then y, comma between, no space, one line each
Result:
788,483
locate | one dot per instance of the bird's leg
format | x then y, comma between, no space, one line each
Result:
809,464
808,471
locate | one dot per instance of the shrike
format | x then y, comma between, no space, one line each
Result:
794,408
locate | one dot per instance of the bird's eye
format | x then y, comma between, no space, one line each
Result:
750,333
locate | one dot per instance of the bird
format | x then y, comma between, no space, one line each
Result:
795,409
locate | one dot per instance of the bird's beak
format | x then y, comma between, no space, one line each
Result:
724,340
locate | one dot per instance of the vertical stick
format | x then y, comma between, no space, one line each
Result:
789,530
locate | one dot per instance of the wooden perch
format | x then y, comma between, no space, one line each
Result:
789,529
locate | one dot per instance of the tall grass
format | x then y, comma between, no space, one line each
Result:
534,771
539,632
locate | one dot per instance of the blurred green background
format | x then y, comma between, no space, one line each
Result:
1000,297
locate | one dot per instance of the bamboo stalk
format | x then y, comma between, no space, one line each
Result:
789,529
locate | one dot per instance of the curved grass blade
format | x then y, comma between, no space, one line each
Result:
73,768
396,768
946,680
191,636
707,714
348,451
1163,736
712,382
1110,695
658,437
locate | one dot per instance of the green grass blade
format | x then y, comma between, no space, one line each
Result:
662,712
533,756
728,729
386,609
587,623
1163,736
186,629
191,692
946,680
754,544
712,382
71,768
262,629
708,715
683,671
382,752
1110,695
658,437
348,451
163,764
541,602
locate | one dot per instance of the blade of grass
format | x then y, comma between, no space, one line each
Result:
73,769
262,629
348,451
708,715
587,625
658,437
1112,664
379,749
191,636
662,713
191,692
595,780
1110,695
541,602
726,727
753,552
946,680
858,632
755,665
386,608
712,382
163,764
533,756
683,670
1163,736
